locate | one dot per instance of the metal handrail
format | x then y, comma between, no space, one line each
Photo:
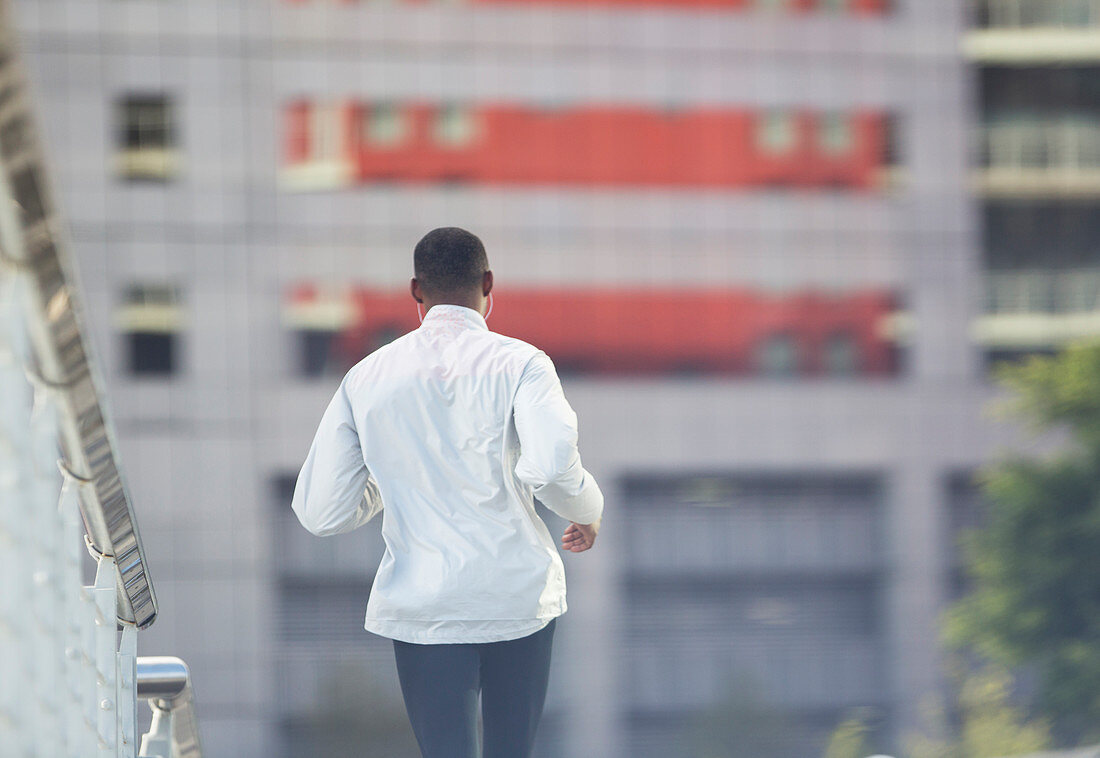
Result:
166,683
31,242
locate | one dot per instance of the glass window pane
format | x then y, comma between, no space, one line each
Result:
778,356
776,131
454,126
387,125
841,355
151,353
835,133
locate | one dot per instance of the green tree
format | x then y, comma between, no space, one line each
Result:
990,725
849,740
1035,565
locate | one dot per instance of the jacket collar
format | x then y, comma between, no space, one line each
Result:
454,315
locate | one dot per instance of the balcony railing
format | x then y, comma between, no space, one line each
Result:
1039,309
1043,291
1034,32
1024,14
1030,156
1067,144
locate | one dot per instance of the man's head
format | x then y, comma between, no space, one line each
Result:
450,267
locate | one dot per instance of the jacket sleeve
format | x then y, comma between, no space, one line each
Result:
335,492
549,461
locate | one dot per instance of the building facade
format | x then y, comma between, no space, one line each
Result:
762,210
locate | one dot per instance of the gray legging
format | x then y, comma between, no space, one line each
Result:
440,684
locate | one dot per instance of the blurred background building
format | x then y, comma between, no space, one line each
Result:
772,246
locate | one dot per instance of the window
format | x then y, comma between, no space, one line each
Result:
841,355
455,126
777,356
966,510
322,141
146,137
327,330
777,131
149,321
386,125
316,352
835,133
892,144
770,578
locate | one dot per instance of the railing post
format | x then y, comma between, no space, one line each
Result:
105,642
126,696
72,618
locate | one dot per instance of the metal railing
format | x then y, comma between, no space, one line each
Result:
1043,291
166,684
69,673
31,244
1067,144
1023,14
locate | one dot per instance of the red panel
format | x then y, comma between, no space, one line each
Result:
297,138
787,167
616,331
870,6
862,7
349,128
605,146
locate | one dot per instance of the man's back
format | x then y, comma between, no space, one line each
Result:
457,427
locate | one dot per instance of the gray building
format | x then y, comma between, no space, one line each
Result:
776,549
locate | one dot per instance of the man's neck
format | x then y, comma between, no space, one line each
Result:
473,305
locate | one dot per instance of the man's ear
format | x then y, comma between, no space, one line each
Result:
486,283
414,290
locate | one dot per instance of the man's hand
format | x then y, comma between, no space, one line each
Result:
579,537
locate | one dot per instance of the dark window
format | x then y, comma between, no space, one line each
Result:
151,354
146,137
777,356
891,142
331,352
150,320
146,122
841,355
315,352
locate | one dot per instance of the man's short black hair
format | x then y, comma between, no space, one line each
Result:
449,261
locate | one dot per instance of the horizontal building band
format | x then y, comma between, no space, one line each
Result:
1036,183
1033,46
633,331
329,145
775,6
1024,331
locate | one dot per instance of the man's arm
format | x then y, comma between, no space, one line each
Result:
549,461
335,492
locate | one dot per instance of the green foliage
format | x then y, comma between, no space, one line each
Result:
848,741
1035,567
991,726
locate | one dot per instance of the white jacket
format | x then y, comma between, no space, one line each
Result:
450,432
